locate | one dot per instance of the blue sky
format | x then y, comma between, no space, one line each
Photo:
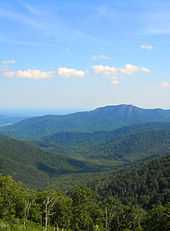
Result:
84,54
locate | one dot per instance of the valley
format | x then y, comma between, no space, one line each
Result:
43,160
109,173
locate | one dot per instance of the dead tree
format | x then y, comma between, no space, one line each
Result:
49,205
26,212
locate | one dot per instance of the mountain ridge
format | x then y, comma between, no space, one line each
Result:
106,118
120,144
74,153
35,167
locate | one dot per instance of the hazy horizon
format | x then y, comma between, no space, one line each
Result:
31,112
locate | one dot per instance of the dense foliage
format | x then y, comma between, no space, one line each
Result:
31,165
122,145
146,183
134,203
63,155
81,149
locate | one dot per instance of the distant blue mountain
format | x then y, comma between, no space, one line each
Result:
9,119
101,119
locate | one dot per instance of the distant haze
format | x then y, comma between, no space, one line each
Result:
38,112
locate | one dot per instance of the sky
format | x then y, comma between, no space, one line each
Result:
65,54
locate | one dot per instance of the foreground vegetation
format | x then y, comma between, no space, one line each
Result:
120,204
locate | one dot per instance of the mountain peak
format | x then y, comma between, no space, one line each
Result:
118,107
106,118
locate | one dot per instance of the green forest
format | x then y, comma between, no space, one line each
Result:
67,180
132,199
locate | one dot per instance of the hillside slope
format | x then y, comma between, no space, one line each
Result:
125,144
35,167
9,119
145,183
101,119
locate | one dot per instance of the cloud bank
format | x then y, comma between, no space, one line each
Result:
26,74
127,69
112,72
38,74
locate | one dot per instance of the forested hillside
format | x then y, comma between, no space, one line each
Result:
124,145
137,202
35,167
146,183
106,180
102,119
75,153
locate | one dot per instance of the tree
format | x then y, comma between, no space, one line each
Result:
158,219
86,210
12,198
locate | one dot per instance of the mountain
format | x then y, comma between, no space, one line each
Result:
145,183
124,145
6,120
63,154
31,165
101,119
121,147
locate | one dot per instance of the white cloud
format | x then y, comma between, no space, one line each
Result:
106,70
7,62
111,71
65,72
165,84
131,69
39,74
127,69
146,46
26,74
70,72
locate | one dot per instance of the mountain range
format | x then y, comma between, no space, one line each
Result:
106,118
121,144
39,150
63,154
6,120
